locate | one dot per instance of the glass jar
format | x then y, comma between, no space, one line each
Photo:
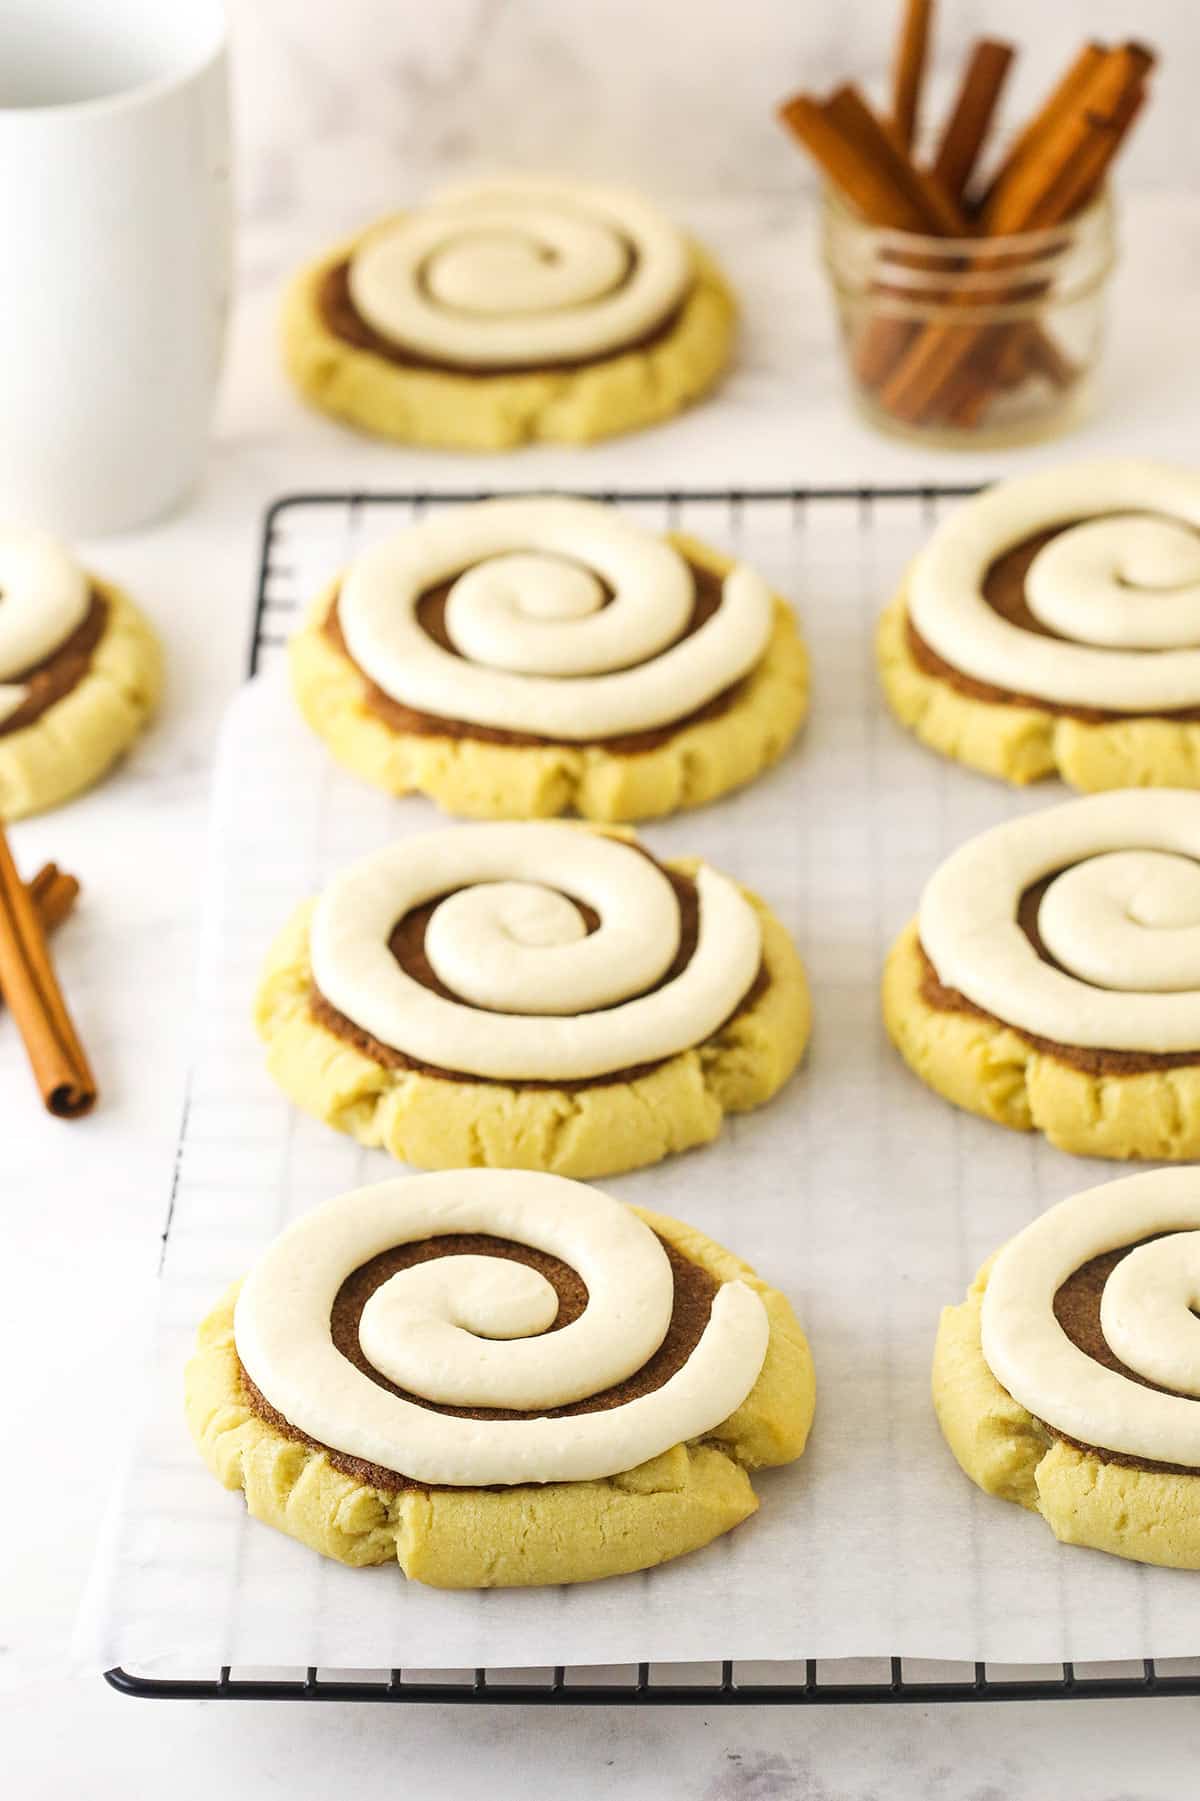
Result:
970,341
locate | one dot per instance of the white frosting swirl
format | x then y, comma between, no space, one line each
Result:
539,650
563,1004
521,273
472,1332
1122,920
1146,1316
44,597
1120,584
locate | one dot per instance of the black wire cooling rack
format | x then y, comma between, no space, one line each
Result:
641,1690
820,1683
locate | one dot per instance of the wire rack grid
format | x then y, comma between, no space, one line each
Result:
283,591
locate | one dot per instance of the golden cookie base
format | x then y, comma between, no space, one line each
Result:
78,739
443,410
477,780
513,1537
1146,1515
988,1068
1024,744
440,1122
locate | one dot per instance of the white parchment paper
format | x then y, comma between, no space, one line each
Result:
863,1196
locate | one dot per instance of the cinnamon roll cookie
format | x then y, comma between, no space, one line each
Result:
522,657
80,672
1053,625
1069,1378
498,1379
507,312
535,996
1052,977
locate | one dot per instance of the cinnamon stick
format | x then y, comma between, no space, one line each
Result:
1022,351
1028,144
825,132
921,200
54,894
908,74
1036,194
29,985
970,118
1014,352
919,196
1029,352
864,159
1071,165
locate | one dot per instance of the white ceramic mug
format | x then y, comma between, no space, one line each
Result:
115,229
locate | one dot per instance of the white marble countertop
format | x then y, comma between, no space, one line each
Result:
84,1203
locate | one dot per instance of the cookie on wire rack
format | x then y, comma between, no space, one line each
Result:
525,657
498,1379
1068,1379
537,995
1052,626
1051,980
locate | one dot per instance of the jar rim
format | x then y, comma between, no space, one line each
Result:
1016,246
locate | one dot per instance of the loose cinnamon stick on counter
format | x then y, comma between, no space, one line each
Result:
970,118
1036,194
54,894
908,74
28,982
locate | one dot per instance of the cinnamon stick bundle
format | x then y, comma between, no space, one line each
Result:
944,367
1029,144
29,986
1037,193
864,160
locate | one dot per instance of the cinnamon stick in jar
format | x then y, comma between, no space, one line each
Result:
908,76
971,116
864,160
951,292
1030,143
30,987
